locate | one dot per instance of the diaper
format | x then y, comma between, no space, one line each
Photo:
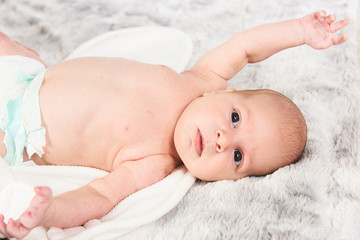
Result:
20,117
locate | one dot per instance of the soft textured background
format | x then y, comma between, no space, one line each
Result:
316,198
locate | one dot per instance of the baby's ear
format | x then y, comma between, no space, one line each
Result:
219,91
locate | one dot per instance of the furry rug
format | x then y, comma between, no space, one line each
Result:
315,198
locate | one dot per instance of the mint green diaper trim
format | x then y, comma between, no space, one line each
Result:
15,134
20,117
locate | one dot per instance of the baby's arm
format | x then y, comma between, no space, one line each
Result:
91,201
72,208
259,43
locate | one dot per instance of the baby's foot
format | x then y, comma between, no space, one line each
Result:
32,216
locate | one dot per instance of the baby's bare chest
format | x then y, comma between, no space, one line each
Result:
103,124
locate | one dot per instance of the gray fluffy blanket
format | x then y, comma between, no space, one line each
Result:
315,198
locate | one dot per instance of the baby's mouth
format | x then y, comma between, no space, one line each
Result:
199,143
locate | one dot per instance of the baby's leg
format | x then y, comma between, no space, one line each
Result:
31,218
11,47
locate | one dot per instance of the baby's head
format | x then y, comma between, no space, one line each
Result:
234,134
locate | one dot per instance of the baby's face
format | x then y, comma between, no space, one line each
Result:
228,136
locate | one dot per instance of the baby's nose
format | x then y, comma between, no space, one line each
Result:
221,141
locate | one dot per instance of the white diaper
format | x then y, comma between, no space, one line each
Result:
20,118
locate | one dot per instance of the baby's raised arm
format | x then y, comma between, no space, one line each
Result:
258,43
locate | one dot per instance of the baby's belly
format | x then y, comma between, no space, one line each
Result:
73,130
76,147
81,136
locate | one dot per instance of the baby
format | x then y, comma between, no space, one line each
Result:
140,121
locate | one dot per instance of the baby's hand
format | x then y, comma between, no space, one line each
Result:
319,30
32,216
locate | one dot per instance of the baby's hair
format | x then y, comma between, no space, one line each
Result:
293,129
292,125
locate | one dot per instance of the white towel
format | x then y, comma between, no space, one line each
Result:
154,45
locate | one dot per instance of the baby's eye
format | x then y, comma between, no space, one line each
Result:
235,118
237,157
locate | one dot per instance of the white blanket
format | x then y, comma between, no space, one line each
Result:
145,206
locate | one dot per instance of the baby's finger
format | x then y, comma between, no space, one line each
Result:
2,225
15,229
339,25
43,191
10,226
27,220
340,39
330,19
320,14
